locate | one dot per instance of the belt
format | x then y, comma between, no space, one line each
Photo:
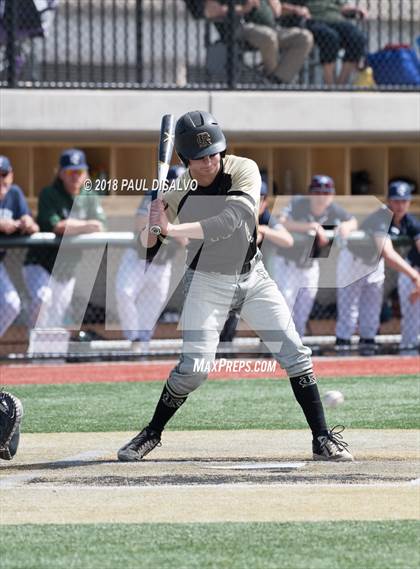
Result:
246,268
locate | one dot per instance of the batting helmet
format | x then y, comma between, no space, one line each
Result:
197,134
322,184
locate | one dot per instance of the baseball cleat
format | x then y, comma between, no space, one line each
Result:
139,446
331,446
367,347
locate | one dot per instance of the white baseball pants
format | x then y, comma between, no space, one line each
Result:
141,295
50,298
299,286
9,301
360,302
207,304
410,313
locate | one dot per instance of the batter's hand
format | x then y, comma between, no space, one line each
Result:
158,215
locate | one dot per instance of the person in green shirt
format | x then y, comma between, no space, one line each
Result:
328,20
50,283
283,50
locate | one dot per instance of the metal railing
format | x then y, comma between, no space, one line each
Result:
97,304
156,44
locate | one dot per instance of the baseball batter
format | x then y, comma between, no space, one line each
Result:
360,303
224,271
296,270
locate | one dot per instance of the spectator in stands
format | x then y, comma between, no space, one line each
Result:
64,207
296,270
328,20
142,287
360,302
15,218
283,50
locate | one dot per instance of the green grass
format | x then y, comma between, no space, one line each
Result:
370,402
327,545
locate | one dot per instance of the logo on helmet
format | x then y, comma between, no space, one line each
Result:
203,139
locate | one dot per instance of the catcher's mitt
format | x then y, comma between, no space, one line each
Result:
11,413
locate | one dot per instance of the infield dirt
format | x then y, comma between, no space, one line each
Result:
203,476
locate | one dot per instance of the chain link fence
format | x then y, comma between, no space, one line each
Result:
217,44
103,301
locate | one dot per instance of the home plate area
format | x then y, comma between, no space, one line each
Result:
211,458
210,476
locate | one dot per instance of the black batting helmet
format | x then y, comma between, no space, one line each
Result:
197,134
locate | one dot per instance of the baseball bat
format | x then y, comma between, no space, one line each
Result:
166,147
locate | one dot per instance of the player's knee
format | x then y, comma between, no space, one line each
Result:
188,375
186,383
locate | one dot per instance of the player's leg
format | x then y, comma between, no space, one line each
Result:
265,310
286,279
53,311
152,299
348,299
410,314
370,315
50,298
207,303
307,280
36,280
9,301
128,282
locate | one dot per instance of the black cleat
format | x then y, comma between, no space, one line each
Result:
139,446
331,446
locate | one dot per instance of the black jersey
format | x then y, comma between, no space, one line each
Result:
237,186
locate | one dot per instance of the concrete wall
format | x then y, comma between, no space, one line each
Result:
135,115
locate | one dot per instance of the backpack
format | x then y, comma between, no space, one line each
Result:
395,65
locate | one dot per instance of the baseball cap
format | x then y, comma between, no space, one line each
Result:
322,184
5,164
73,159
263,189
175,172
399,190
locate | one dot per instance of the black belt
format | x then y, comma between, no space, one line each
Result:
246,268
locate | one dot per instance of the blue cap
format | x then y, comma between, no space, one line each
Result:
5,164
263,189
175,172
73,159
322,184
399,190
